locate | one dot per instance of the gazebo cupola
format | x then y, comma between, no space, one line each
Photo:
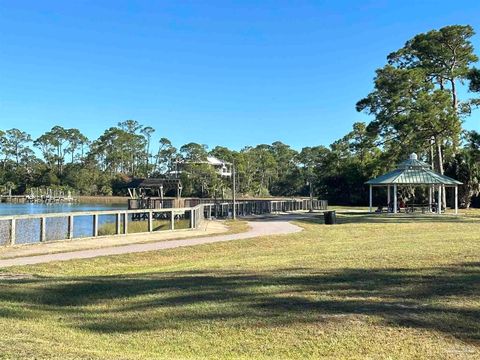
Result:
413,172
412,163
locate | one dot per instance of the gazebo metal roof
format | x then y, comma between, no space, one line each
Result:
413,163
413,172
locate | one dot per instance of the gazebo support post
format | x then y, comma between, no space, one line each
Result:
439,203
429,198
370,199
394,198
456,199
388,196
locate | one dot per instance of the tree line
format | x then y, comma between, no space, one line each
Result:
415,106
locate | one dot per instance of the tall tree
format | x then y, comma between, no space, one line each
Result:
76,140
117,150
16,144
130,126
59,138
409,101
465,167
445,55
409,112
45,144
286,181
147,131
57,143
311,162
474,85
193,152
166,160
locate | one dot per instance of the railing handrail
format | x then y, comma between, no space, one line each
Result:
196,214
98,212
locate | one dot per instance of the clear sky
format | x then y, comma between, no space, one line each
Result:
230,73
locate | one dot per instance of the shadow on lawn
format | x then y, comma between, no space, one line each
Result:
441,299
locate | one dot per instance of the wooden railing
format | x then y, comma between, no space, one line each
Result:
36,228
260,207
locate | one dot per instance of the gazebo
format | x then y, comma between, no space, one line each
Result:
416,173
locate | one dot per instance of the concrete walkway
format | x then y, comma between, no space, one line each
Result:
208,228
260,227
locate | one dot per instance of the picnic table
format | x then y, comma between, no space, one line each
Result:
424,208
410,208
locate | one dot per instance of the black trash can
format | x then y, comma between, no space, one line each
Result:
330,217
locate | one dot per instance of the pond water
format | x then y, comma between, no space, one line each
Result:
29,208
29,230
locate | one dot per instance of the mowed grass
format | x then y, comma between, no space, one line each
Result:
373,286
142,226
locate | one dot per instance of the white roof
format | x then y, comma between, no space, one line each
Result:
212,160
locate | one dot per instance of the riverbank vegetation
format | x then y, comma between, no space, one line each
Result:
372,286
415,106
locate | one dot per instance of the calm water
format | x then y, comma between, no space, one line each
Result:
22,209
28,230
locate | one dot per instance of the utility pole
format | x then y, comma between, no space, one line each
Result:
234,200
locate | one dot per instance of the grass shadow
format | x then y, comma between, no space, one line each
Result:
440,298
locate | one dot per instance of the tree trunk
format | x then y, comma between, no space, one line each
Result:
59,159
454,95
148,155
432,156
439,156
155,168
440,170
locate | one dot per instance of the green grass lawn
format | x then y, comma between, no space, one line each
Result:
374,286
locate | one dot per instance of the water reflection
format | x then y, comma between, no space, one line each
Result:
29,208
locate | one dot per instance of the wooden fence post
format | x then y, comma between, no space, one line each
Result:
150,221
12,232
117,223
70,227
95,225
42,229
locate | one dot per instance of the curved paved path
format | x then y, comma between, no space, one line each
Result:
260,227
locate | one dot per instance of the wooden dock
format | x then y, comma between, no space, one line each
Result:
12,199
43,199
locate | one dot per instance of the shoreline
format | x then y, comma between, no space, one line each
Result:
102,199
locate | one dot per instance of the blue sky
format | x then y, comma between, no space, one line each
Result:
229,73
